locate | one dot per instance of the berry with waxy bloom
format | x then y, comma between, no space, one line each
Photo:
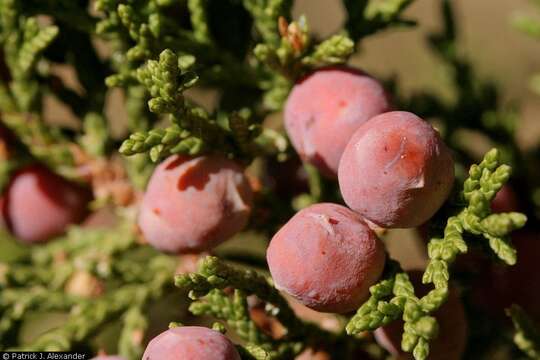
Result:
193,204
396,171
325,108
190,342
40,204
326,257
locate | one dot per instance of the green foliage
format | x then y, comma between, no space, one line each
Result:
206,287
366,17
95,138
530,25
166,80
335,50
214,273
527,24
193,131
527,337
23,41
43,142
134,324
6,168
234,311
38,280
266,14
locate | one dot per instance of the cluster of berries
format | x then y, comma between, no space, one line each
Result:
394,171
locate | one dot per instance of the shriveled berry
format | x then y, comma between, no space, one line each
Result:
190,342
326,257
325,108
396,171
193,204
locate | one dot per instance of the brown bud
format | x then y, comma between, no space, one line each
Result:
282,26
84,284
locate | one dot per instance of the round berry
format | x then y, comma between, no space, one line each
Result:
325,108
452,339
193,204
40,204
190,342
396,171
326,257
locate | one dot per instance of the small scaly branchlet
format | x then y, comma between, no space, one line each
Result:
527,336
208,287
193,131
43,285
368,17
